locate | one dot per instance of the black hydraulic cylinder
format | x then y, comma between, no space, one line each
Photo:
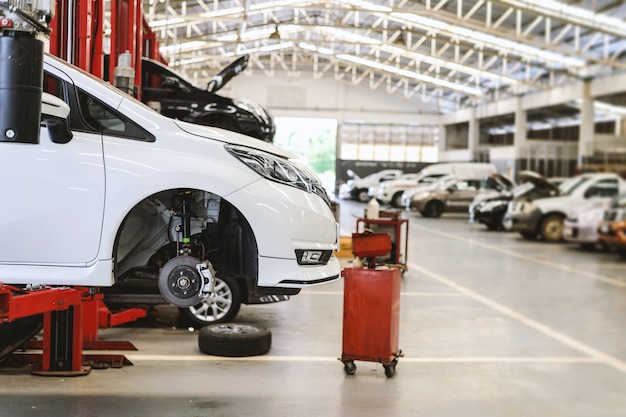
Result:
21,79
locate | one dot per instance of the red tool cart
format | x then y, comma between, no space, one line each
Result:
371,315
398,230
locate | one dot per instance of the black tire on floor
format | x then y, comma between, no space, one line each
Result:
234,340
14,334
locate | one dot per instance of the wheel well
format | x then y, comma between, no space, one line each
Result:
397,193
149,235
435,201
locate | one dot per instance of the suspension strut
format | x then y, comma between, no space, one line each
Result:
183,245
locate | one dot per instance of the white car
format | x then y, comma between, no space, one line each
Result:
581,225
133,193
390,192
373,191
544,216
357,187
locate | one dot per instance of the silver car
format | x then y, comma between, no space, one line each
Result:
450,195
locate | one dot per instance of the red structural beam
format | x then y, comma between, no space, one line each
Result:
77,34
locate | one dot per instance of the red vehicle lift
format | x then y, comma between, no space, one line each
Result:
68,315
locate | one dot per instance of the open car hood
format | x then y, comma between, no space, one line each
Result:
539,181
503,179
224,76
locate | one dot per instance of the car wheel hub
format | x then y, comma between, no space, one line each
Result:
180,281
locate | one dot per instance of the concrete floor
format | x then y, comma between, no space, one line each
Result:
490,325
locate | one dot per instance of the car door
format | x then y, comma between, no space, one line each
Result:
53,196
462,194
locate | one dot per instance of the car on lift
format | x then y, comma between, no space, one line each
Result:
172,95
210,217
544,217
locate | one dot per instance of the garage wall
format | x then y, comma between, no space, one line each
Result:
300,97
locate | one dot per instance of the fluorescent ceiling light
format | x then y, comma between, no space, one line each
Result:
604,108
313,48
258,34
277,3
349,36
343,34
572,14
515,48
182,47
166,22
190,61
223,12
411,74
266,48
452,66
367,5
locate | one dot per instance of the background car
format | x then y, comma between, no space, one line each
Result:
373,191
544,217
173,96
490,207
357,187
581,224
612,229
450,195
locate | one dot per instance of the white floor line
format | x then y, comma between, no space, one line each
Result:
546,330
573,270
268,358
409,294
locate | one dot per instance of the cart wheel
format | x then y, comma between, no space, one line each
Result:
349,367
390,370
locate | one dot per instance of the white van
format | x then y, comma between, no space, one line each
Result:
462,169
390,192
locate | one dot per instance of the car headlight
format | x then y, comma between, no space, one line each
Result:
591,216
280,170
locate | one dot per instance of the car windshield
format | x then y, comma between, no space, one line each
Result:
567,187
445,182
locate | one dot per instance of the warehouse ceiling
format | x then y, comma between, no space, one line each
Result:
449,53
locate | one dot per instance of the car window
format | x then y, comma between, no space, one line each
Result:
156,76
603,188
567,187
101,118
463,186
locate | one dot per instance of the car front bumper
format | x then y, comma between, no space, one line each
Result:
580,233
284,220
523,222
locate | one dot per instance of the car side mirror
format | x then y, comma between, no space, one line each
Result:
54,115
171,83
